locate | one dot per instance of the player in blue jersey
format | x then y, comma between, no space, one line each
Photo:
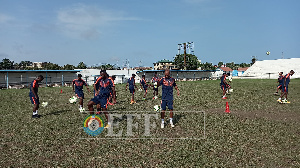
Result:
286,82
132,87
224,85
144,86
96,87
105,87
77,85
33,95
155,81
280,83
112,100
167,84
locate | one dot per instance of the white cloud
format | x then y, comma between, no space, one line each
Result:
86,22
5,18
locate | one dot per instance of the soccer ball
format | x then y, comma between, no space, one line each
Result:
155,97
230,90
44,104
140,90
73,100
268,52
82,110
157,108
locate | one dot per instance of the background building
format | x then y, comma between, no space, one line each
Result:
163,64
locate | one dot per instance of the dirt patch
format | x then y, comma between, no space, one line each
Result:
273,115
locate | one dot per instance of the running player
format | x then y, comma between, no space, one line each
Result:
285,85
33,95
144,86
167,84
224,85
77,85
155,80
105,87
114,101
132,86
280,83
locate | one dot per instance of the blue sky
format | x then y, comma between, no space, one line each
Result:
98,31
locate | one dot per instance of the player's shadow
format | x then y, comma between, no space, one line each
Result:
177,117
56,112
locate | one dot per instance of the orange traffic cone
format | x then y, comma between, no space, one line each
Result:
227,108
60,90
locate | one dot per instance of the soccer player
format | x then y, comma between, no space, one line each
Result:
114,101
285,85
155,80
280,81
96,88
144,86
167,84
224,85
132,86
33,95
77,85
105,87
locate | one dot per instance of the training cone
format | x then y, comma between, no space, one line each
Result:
227,108
60,90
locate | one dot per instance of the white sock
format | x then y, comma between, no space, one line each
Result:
35,112
80,106
279,98
162,121
171,120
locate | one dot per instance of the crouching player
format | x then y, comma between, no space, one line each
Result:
33,95
167,84
105,85
285,85
78,89
144,86
224,85
280,83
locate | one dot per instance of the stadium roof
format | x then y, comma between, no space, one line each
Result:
270,68
15,70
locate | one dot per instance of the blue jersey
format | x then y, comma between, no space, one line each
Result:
223,80
35,85
167,88
79,84
281,80
143,82
131,82
105,86
287,78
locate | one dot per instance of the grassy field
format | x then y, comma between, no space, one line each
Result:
258,132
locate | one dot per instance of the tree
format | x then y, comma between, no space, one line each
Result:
52,66
6,64
253,60
192,62
220,64
69,67
207,66
81,65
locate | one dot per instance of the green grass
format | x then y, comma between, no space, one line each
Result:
258,132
